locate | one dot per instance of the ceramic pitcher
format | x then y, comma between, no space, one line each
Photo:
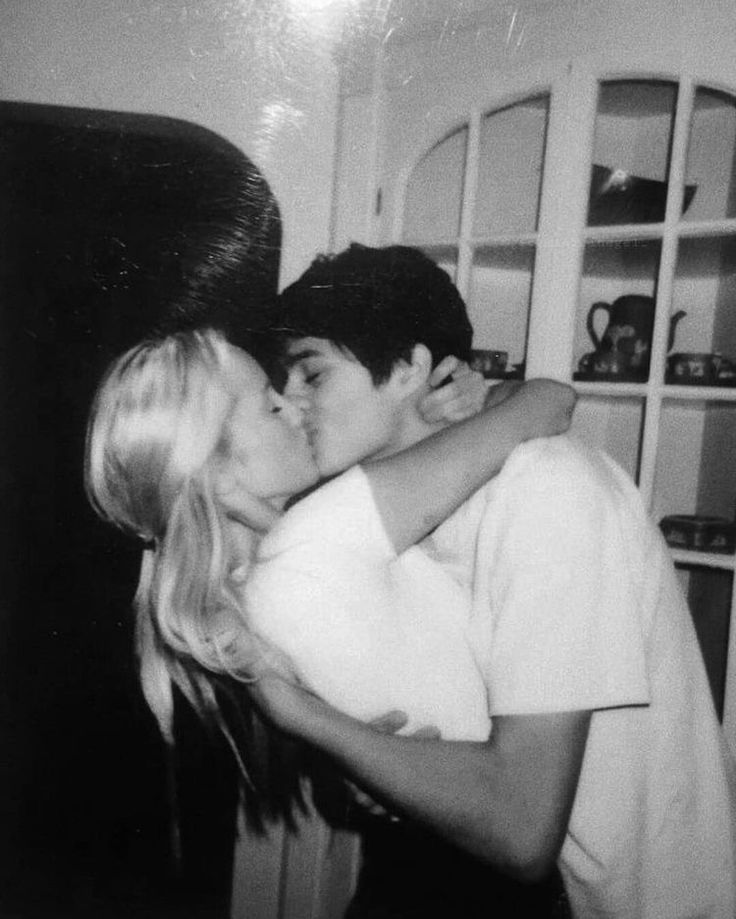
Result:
629,329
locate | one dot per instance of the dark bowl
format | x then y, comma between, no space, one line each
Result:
698,532
616,197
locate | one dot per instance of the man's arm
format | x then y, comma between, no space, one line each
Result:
507,801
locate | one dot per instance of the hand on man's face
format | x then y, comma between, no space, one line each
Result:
457,392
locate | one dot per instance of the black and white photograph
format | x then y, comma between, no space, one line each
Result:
368,459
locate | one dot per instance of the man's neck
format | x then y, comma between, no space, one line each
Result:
413,429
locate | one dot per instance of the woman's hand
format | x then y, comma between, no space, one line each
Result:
463,396
468,393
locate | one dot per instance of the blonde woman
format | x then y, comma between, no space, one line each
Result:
190,449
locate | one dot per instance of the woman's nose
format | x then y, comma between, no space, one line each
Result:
296,397
292,408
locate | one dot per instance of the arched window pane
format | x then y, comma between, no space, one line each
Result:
435,189
511,159
711,166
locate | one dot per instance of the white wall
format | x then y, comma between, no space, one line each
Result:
257,72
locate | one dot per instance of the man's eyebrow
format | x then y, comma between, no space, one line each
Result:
294,358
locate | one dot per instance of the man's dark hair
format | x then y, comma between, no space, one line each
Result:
378,303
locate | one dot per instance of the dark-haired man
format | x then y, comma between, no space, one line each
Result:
395,311
605,754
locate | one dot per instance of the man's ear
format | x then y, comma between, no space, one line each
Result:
412,376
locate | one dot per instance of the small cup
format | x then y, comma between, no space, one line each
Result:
492,364
606,364
694,367
726,371
614,363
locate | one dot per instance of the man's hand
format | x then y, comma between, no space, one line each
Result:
298,712
288,707
390,723
463,396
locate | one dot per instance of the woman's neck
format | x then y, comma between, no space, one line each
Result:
243,542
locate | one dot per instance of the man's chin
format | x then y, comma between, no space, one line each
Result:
329,466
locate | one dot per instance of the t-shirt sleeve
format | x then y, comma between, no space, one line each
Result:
322,594
321,613
567,633
341,513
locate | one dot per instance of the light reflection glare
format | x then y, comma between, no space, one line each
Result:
332,7
325,17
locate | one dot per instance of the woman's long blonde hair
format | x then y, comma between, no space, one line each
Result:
154,440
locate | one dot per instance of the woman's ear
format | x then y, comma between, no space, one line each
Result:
230,488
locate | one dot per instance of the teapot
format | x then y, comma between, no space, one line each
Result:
629,331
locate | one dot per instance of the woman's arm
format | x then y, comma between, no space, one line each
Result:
415,490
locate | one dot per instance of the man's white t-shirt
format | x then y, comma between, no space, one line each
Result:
576,606
366,630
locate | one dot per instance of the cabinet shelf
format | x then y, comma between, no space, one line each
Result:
703,228
589,388
685,229
497,241
427,244
700,393
695,559
624,232
669,391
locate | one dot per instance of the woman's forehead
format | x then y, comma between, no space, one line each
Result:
244,372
